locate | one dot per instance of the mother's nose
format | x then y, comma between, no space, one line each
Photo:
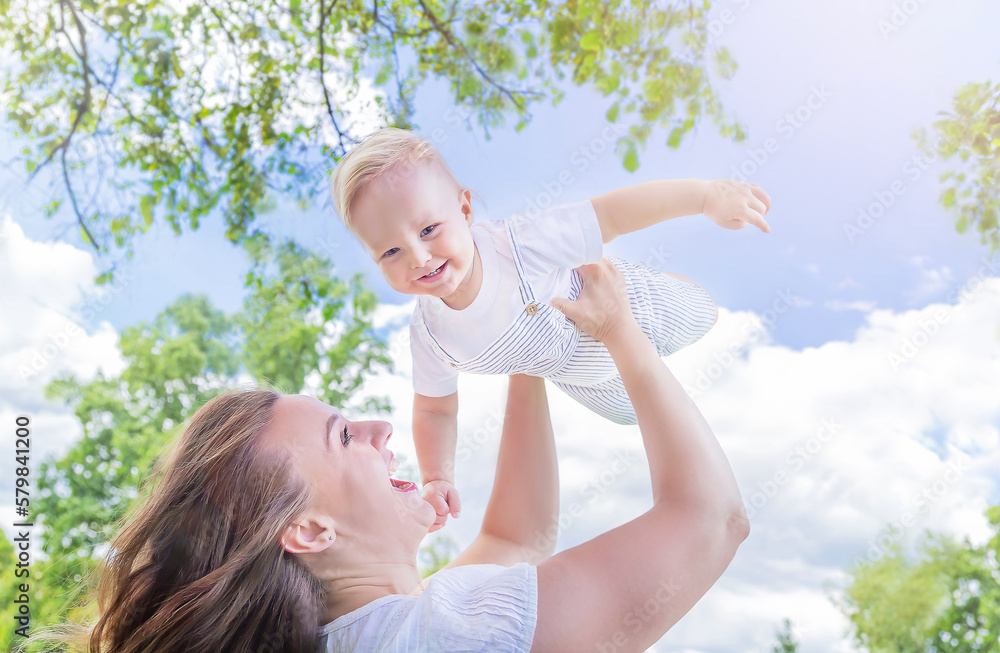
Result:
380,431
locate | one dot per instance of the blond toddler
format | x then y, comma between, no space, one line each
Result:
490,294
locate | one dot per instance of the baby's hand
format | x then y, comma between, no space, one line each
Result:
443,497
732,204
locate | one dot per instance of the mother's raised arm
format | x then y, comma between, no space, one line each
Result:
622,590
520,519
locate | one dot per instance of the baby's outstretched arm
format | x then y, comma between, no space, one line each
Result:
435,436
729,203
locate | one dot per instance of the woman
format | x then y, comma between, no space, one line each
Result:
276,514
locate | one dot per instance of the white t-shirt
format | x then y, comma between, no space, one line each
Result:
468,609
552,243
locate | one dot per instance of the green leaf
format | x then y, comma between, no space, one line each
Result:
30,165
146,203
612,114
631,159
948,198
676,134
591,41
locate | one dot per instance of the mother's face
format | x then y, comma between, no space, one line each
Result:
346,464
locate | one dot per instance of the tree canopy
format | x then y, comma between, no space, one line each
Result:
150,110
969,137
943,597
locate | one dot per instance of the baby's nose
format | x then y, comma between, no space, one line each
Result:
419,257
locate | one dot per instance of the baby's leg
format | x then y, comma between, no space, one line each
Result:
672,310
608,399
686,280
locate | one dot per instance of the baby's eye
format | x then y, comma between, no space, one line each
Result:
427,230
390,252
345,437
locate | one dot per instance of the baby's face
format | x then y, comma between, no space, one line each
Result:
415,226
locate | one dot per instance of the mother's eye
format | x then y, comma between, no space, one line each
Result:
345,437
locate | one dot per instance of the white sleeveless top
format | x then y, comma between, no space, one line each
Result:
472,608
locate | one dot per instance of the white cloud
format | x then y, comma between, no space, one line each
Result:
864,306
49,303
829,445
847,282
931,282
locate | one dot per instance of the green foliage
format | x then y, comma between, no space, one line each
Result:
943,598
970,138
159,111
297,321
436,553
310,321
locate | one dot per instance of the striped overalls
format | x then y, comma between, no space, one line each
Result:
542,342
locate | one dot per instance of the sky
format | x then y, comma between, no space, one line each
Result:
852,379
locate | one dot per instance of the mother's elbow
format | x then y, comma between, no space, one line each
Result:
738,525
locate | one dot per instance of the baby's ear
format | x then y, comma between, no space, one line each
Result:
465,197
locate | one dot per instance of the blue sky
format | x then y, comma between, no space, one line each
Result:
854,350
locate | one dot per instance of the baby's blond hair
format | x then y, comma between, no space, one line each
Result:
387,151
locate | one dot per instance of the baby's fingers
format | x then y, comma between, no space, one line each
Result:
454,502
753,216
438,523
764,198
437,500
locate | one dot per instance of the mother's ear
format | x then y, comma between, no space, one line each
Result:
308,536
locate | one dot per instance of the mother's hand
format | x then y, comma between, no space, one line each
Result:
602,307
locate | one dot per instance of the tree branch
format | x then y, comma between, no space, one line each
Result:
76,208
457,44
236,53
322,71
84,105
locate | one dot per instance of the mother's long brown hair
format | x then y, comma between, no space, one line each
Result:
200,566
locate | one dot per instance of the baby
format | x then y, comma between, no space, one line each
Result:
488,293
